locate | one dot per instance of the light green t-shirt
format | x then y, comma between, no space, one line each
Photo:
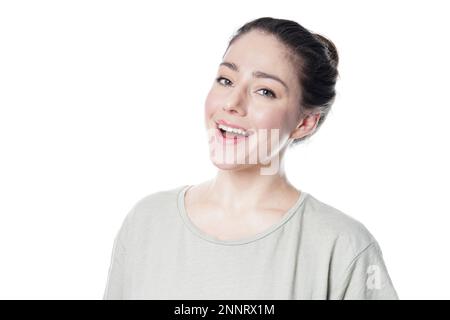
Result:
314,252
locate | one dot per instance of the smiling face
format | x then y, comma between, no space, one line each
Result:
256,88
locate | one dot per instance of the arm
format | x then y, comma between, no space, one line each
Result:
367,278
116,273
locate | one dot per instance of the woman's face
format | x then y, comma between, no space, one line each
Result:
246,93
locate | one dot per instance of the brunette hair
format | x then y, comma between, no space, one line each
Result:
314,56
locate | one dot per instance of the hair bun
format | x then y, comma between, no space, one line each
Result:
331,49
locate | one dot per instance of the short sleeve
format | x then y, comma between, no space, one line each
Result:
117,269
367,277
116,273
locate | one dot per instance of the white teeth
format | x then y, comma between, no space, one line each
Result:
233,130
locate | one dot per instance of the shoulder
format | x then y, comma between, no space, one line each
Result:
348,251
158,199
334,228
152,208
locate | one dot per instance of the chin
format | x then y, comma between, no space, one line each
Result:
231,163
229,167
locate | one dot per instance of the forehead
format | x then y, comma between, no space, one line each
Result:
256,50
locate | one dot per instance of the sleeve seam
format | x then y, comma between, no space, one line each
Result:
352,262
373,243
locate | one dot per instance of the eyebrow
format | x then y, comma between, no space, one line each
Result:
256,74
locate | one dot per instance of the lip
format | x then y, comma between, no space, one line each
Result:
227,141
229,124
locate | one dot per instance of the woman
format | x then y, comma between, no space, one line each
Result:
248,233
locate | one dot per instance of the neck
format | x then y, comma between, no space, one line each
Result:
247,188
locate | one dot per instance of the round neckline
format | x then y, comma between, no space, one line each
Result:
197,231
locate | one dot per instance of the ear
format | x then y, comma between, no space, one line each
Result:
306,126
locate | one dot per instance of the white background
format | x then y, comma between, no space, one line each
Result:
101,104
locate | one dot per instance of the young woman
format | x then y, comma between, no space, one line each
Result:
248,233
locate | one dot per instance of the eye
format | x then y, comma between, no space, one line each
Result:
272,95
220,78
270,92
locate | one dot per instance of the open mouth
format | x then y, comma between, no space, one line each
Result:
230,135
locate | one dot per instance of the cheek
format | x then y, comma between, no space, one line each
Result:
212,104
272,119
268,119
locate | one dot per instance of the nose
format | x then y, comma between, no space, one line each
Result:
236,103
